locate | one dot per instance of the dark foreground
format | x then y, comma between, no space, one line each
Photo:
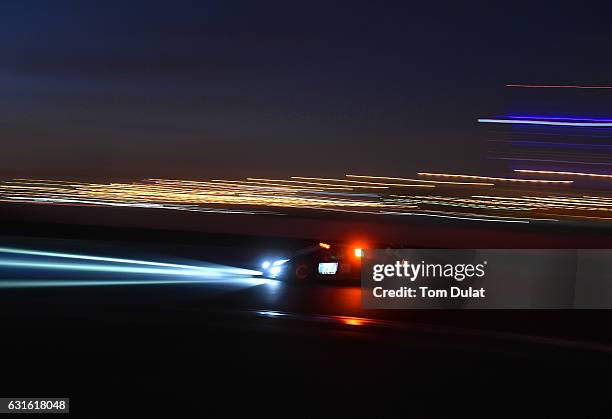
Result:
237,348
183,350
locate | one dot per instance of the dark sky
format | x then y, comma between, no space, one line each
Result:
198,89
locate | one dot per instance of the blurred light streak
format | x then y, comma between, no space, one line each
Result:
184,195
271,313
80,202
549,144
464,202
421,180
541,122
91,267
325,185
43,283
125,261
264,185
553,172
583,217
455,217
496,178
355,211
556,202
53,283
568,200
602,198
553,161
375,184
560,118
560,133
355,195
352,321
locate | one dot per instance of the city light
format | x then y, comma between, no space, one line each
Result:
462,197
553,172
499,179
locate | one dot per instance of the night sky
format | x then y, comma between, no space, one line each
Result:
201,89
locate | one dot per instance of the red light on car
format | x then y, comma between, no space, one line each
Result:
352,321
358,251
324,246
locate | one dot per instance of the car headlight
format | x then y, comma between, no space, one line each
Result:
273,268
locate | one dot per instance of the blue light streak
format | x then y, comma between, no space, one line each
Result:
560,118
547,144
129,270
44,283
193,269
541,122
551,161
202,272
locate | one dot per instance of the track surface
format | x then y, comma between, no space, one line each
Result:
217,349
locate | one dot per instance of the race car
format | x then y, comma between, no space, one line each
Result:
321,261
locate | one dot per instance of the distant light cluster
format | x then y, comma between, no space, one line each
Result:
567,184
552,196
559,146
